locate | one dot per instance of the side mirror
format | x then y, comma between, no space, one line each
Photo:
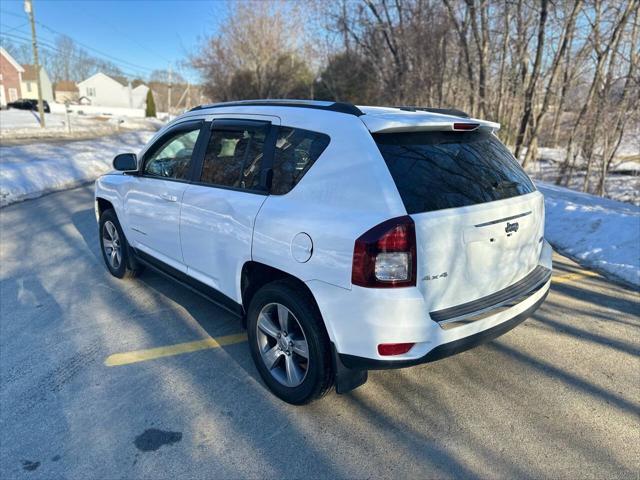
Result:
126,162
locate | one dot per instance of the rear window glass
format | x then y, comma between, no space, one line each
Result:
437,170
296,151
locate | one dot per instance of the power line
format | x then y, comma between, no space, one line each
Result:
11,13
105,55
52,49
11,29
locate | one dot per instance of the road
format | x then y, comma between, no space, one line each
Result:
557,397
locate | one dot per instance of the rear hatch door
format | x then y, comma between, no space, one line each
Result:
479,219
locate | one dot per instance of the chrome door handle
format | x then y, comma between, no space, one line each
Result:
169,198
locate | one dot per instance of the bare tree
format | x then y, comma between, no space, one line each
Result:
461,29
269,65
622,109
601,49
552,73
567,33
533,79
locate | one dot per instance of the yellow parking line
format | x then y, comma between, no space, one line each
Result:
569,277
127,358
136,356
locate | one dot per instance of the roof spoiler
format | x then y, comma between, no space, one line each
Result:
399,123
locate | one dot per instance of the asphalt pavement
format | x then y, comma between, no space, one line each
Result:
557,397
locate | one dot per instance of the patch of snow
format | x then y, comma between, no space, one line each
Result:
23,124
631,166
630,144
599,233
622,183
29,171
552,154
18,119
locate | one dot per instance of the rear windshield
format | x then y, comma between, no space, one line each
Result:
436,170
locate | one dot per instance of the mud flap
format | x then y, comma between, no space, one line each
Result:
132,259
347,379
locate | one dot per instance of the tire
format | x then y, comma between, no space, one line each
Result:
288,366
117,256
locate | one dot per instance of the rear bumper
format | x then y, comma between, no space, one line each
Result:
360,319
446,349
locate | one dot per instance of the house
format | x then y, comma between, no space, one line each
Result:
106,91
10,78
29,85
66,91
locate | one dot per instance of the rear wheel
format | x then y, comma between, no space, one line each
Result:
288,343
114,246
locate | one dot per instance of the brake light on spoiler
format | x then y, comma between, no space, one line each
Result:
465,127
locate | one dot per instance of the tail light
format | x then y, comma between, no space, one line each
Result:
385,256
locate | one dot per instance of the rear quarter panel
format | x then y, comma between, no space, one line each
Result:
347,191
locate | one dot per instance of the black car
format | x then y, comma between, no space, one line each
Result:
28,104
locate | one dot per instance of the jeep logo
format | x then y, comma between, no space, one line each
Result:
511,227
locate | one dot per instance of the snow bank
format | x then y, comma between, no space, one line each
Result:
98,110
18,125
29,171
599,233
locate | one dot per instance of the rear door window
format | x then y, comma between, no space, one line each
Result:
234,157
437,170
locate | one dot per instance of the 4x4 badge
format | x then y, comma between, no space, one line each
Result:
434,277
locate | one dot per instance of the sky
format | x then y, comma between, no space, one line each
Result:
140,35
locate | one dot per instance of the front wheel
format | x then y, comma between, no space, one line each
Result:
288,343
115,250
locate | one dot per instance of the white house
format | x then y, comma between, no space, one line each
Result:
105,91
29,85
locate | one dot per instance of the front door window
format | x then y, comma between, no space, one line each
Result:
173,158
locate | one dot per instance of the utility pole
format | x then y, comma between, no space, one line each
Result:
28,8
169,92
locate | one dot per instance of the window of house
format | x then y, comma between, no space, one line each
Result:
296,151
234,157
28,86
91,92
173,158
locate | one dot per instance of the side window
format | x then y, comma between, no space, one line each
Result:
234,158
173,158
296,151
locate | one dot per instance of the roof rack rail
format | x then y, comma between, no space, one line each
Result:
444,111
340,107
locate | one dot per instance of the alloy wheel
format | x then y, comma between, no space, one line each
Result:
111,244
282,344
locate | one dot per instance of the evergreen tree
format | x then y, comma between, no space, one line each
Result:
151,105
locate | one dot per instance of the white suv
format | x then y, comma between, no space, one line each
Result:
346,238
